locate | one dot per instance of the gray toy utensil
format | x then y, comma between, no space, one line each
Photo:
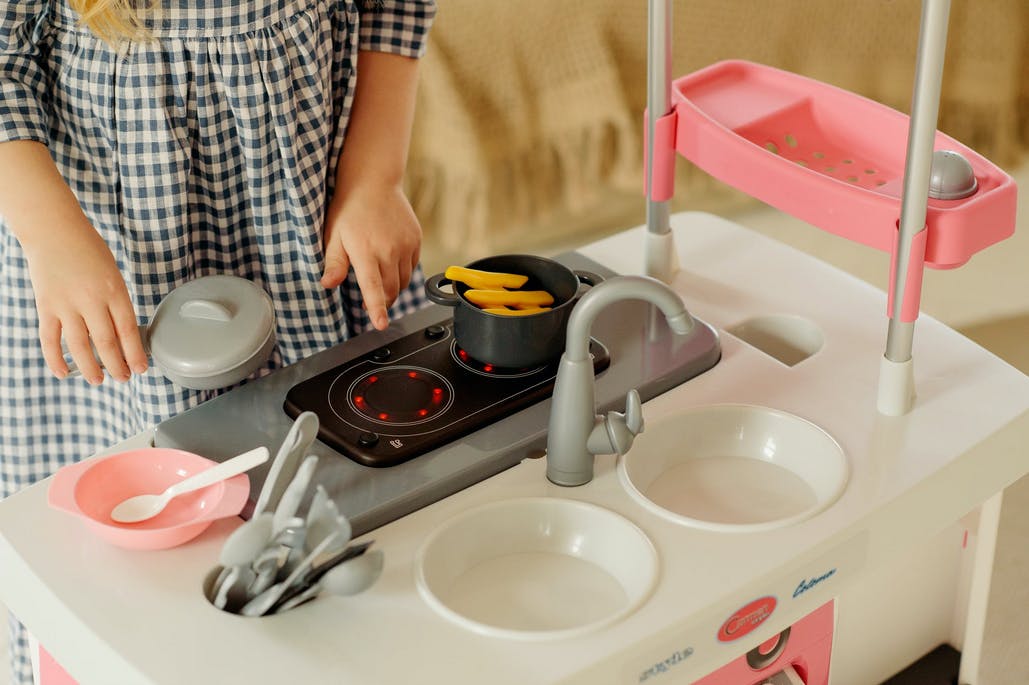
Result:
262,603
247,541
289,503
287,461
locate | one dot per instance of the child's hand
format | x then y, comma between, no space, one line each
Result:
374,230
80,295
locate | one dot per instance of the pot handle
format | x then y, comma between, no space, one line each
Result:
588,278
433,292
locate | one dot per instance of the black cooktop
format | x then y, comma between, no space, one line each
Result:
644,354
415,394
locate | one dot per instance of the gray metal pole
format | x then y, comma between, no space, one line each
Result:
925,106
659,69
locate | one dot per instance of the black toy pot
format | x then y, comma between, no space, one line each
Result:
514,341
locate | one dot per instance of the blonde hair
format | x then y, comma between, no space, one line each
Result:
111,20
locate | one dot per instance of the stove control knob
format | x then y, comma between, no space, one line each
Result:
367,439
435,332
381,354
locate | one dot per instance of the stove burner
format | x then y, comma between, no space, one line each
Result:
465,361
400,395
415,394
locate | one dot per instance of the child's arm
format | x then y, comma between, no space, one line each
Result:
79,291
370,224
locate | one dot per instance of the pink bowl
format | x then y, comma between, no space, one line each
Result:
92,488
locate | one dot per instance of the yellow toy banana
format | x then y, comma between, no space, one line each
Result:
484,280
508,298
504,311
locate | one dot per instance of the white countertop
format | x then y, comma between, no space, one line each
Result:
119,616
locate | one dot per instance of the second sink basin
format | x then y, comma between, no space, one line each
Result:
536,568
734,468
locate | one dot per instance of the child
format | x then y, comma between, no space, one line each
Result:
145,145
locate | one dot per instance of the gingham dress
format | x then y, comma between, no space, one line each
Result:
210,149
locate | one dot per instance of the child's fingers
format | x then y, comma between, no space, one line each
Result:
108,347
337,264
370,281
390,283
76,336
50,343
405,275
127,329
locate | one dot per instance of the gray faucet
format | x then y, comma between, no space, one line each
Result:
577,432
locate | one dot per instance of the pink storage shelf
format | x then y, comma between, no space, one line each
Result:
829,157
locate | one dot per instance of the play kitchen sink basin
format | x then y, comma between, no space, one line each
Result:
734,468
536,568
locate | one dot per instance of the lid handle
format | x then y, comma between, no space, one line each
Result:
205,309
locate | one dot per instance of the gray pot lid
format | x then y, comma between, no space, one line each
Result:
210,325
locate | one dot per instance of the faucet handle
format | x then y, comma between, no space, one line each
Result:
634,412
615,432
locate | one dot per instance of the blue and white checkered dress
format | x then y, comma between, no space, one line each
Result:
210,149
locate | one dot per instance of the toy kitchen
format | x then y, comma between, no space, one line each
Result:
716,475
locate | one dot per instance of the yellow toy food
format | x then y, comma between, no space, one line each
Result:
508,298
484,280
516,312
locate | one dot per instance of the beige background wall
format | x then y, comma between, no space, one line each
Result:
529,124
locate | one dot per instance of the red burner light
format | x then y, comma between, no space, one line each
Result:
484,368
400,396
